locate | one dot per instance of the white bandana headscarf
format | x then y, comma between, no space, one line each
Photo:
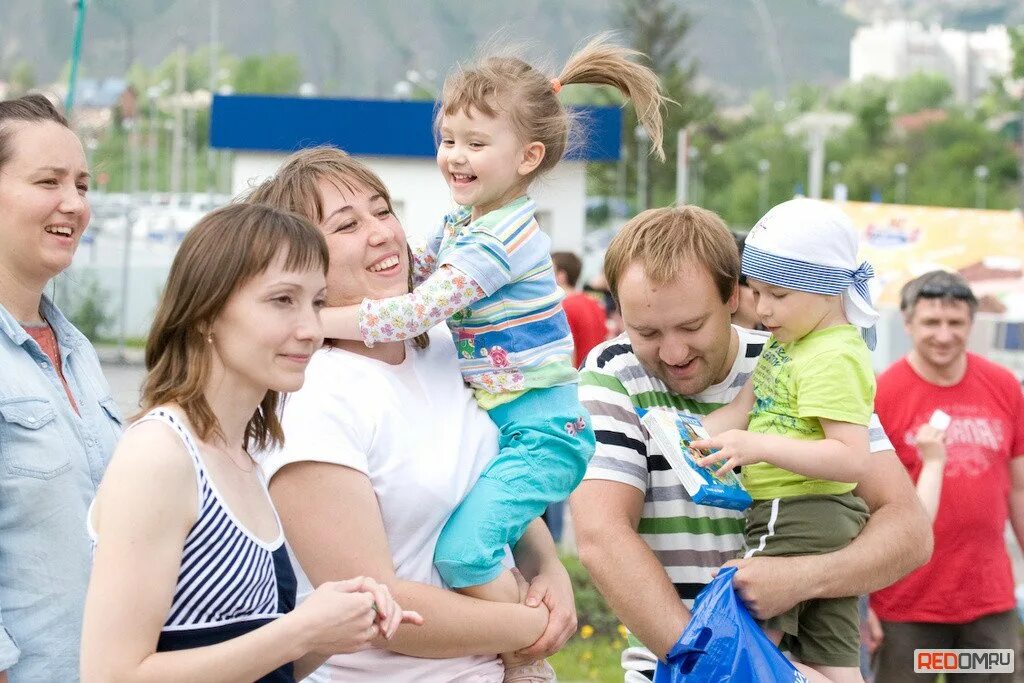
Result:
811,246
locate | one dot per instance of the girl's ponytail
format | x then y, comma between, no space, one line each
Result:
603,63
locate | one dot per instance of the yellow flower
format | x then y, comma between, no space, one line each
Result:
586,631
623,631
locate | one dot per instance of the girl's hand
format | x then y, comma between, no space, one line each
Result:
931,444
735,447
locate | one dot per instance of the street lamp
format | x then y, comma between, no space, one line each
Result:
900,170
642,138
694,158
980,182
763,167
835,170
76,54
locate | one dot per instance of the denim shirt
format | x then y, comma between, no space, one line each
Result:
51,461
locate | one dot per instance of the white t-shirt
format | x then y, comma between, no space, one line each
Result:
415,430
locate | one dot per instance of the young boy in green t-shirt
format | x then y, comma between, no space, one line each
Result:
799,426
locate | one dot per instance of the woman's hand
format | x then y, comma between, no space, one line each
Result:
346,616
735,447
389,614
552,588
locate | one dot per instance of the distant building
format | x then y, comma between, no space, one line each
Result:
395,139
897,49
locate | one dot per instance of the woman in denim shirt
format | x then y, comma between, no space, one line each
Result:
58,422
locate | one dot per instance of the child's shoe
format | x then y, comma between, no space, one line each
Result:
534,672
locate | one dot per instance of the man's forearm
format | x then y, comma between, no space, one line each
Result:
633,582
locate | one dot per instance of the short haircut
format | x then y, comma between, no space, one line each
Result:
570,264
661,240
937,284
30,109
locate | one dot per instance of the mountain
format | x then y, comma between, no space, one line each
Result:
362,48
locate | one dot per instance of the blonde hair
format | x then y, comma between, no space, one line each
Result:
529,98
663,240
295,187
222,252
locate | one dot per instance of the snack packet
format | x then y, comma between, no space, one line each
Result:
673,432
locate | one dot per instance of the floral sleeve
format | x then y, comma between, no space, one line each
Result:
440,296
424,263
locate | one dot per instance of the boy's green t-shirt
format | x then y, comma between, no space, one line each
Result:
826,374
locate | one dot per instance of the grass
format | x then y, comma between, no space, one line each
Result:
594,658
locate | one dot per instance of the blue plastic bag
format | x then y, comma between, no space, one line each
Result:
723,644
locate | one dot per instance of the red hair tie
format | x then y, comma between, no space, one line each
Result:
556,85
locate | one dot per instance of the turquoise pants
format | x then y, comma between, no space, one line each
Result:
546,440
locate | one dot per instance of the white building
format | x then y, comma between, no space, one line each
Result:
897,49
395,139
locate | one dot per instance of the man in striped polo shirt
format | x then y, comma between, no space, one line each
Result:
647,545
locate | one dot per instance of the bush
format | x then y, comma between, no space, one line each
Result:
88,307
591,608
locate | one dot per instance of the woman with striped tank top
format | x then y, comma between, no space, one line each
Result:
191,579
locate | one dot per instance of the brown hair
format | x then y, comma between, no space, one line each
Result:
30,108
570,264
530,99
224,250
937,284
661,240
295,188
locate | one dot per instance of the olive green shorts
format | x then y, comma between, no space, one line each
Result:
826,631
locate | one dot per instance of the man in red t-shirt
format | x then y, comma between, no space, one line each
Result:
587,320
964,597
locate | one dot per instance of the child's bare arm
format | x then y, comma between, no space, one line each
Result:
841,456
733,415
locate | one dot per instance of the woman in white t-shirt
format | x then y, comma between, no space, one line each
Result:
382,443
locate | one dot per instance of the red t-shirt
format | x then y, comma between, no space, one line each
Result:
969,574
586,322
47,340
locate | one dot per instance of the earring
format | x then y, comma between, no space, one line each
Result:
209,338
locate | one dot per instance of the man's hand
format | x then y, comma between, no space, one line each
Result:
735,447
552,588
769,585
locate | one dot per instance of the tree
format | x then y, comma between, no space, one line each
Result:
22,78
273,74
921,91
129,13
197,69
874,119
658,28
1017,46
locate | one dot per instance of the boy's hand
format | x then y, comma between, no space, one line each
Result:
736,447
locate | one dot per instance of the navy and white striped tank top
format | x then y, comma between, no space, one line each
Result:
230,582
